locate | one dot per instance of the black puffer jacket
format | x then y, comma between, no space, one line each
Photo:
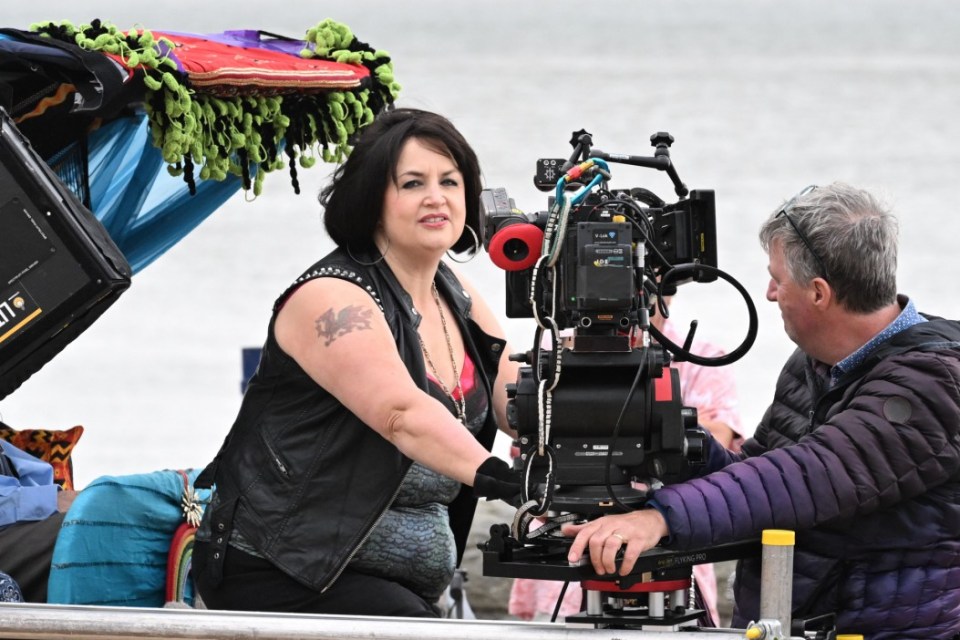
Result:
301,477
867,473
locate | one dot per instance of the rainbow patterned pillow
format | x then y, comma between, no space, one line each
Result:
49,445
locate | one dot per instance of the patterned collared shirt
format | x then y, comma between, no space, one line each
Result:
908,317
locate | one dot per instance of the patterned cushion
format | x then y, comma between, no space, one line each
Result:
50,446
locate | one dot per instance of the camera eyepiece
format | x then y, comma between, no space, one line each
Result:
516,245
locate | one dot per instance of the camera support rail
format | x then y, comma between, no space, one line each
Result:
659,576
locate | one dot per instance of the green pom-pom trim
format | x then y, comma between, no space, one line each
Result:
220,134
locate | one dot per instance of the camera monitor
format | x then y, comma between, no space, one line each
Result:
59,269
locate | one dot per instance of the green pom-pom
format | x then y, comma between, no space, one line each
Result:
103,40
208,114
217,173
218,106
341,132
172,106
348,57
211,130
233,109
326,38
170,82
170,153
190,124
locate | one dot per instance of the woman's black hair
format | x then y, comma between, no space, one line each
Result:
353,201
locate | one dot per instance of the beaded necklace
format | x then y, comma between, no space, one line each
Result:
461,404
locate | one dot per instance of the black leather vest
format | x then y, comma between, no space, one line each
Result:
301,477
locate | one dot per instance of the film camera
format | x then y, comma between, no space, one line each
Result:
604,229
597,409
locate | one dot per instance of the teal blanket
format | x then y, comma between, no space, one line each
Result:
115,540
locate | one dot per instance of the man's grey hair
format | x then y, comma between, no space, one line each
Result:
851,233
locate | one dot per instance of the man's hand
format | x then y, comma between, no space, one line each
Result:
638,530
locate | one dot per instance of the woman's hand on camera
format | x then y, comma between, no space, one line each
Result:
497,480
638,531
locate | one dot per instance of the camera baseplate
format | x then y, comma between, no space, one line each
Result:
657,573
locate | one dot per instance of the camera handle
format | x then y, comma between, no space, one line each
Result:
682,353
661,163
582,150
581,141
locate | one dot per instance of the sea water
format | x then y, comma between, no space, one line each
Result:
762,97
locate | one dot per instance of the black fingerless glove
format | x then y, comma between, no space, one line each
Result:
496,480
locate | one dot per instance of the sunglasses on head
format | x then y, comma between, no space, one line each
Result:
785,212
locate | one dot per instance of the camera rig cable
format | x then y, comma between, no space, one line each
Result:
563,203
554,234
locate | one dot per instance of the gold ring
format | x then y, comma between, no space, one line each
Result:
617,535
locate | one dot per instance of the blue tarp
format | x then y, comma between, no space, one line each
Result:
144,208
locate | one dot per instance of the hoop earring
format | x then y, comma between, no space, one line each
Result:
383,255
476,247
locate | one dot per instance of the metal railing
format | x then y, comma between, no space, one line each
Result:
56,622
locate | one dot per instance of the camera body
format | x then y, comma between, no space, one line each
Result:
596,458
598,280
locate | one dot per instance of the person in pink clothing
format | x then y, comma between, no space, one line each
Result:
713,391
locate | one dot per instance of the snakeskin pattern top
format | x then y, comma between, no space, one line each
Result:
413,543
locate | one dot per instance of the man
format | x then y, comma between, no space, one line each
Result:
31,511
859,451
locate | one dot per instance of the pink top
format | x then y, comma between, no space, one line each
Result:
468,378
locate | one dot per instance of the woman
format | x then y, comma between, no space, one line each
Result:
341,486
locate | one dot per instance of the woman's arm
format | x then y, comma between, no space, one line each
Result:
338,335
